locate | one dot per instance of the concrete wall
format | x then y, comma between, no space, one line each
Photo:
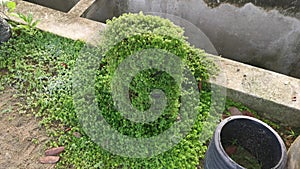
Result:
101,10
289,7
61,5
248,34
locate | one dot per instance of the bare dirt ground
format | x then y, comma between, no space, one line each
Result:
22,140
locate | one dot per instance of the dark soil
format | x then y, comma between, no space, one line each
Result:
245,158
288,134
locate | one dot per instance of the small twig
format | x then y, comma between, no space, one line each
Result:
3,12
7,17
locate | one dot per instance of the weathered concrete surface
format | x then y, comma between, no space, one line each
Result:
294,155
248,34
80,7
61,5
102,10
288,7
60,23
273,95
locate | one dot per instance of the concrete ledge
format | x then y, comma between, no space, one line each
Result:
63,24
80,7
274,95
271,94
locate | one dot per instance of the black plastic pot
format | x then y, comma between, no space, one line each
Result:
253,135
5,32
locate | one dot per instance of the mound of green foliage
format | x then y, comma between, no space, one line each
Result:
128,35
131,34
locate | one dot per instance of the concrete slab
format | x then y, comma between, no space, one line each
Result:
294,155
60,5
80,7
60,23
271,94
248,34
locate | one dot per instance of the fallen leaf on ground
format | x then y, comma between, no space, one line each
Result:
49,159
54,151
230,150
234,111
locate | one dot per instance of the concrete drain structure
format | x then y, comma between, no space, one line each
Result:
249,34
60,5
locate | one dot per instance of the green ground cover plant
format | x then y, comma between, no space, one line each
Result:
40,66
148,32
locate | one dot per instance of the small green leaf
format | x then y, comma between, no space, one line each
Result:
29,19
11,6
33,25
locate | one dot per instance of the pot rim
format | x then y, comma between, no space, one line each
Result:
217,138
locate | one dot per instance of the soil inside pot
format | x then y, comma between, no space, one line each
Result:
243,157
287,133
